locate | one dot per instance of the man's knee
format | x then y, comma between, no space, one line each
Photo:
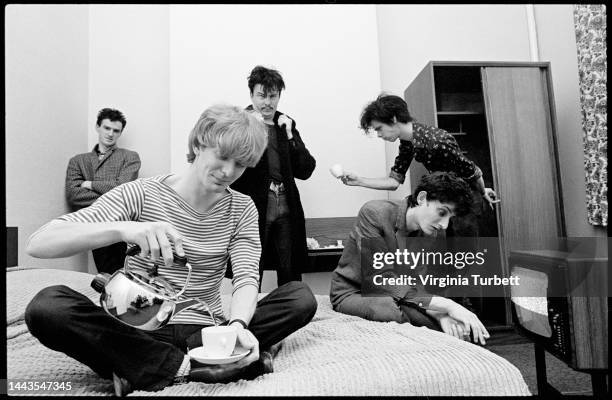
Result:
303,301
45,309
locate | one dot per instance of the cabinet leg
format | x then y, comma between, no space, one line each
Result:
540,362
600,386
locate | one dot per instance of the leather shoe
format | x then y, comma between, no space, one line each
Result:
122,386
221,374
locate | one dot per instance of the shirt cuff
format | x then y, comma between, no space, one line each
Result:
477,174
421,300
397,176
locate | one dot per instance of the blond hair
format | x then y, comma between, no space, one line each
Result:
237,134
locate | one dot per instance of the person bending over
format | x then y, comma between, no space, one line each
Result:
425,213
435,148
194,214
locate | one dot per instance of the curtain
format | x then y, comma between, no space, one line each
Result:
590,25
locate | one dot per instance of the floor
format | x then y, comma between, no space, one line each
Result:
559,375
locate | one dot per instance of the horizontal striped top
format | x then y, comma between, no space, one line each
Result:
229,230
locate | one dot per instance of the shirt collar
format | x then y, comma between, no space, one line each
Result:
96,150
417,130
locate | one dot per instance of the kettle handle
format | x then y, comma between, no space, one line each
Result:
134,250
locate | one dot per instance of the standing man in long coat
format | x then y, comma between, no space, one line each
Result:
271,183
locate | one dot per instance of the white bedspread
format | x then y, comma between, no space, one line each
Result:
335,354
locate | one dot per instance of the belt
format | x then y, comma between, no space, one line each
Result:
277,187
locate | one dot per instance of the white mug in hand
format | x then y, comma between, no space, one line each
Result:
219,341
336,170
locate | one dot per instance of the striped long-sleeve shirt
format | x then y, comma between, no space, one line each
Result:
227,231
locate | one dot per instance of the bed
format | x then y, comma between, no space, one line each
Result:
335,354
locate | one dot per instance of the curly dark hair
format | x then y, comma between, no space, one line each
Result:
112,115
383,109
270,79
445,187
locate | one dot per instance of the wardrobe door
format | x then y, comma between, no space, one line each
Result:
420,97
518,110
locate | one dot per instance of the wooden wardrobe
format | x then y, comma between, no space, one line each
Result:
502,115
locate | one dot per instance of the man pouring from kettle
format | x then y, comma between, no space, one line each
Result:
193,215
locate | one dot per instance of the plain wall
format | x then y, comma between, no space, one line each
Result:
412,35
129,70
329,60
46,67
557,44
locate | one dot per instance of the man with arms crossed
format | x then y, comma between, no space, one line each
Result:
90,175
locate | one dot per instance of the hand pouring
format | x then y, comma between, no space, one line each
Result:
143,299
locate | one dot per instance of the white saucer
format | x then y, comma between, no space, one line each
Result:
199,355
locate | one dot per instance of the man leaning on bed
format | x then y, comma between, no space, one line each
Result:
425,213
195,215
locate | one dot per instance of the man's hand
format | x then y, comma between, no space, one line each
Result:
491,197
470,322
350,179
452,327
226,372
154,239
248,341
257,115
287,122
86,185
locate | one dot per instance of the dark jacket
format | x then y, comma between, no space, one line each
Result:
295,162
381,227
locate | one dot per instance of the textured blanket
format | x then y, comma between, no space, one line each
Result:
335,354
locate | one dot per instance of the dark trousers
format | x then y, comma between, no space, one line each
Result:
348,299
67,321
278,239
110,258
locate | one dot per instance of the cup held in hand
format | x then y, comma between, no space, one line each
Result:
336,170
219,341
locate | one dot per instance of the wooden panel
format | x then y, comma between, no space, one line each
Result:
543,64
11,246
420,97
522,149
589,315
327,231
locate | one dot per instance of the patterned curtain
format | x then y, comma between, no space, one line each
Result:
590,24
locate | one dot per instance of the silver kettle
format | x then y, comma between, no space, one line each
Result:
143,299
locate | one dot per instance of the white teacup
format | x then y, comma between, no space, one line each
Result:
337,170
219,341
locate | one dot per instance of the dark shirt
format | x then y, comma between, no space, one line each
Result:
437,150
274,155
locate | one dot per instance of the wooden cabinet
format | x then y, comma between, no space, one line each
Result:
502,116
331,234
